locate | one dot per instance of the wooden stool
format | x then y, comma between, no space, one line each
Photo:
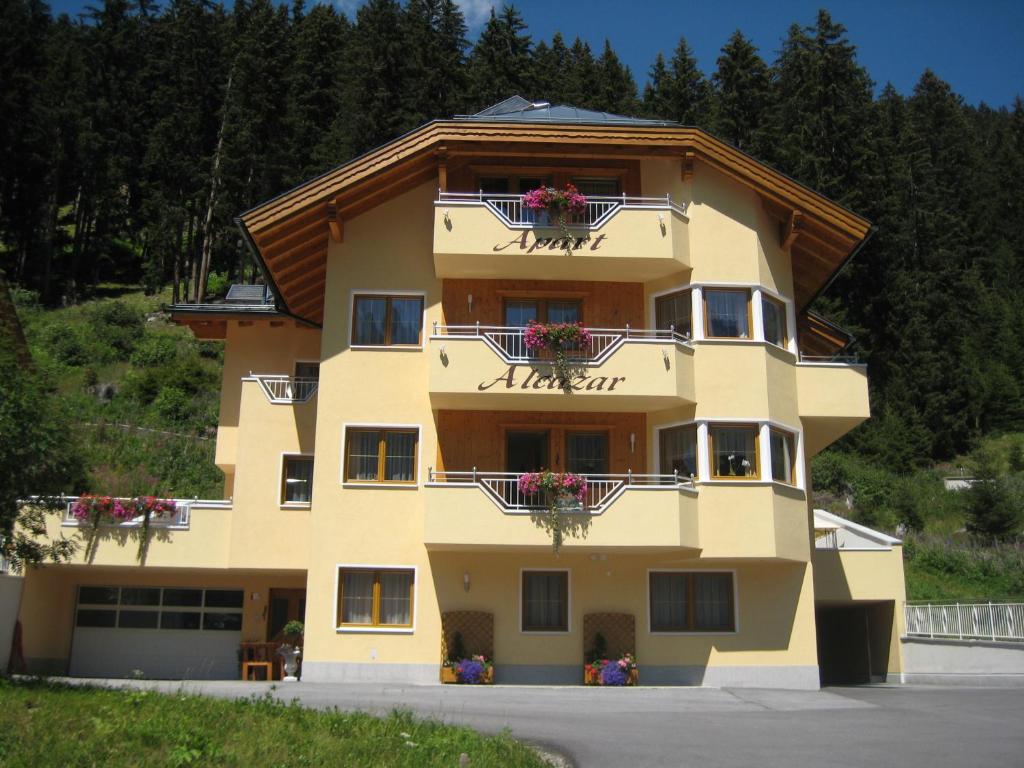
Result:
266,666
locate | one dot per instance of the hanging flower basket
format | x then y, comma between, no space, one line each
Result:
560,205
566,495
565,340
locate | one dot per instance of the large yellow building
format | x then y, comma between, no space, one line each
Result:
379,411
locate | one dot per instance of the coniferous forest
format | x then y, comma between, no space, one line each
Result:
132,135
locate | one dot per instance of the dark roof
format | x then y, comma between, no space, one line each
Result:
249,294
516,109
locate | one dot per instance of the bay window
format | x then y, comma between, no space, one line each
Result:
734,451
727,313
678,451
783,447
773,313
674,311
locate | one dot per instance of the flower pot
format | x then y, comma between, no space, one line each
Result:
590,677
448,675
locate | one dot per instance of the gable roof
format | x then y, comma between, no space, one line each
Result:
860,536
289,234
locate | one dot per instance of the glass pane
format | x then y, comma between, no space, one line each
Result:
530,183
494,185
363,447
307,370
679,451
138,619
395,597
406,320
518,314
774,321
179,620
668,602
400,457
223,622
735,451
713,601
97,595
371,316
597,186
563,311
782,456
727,314
298,481
674,311
140,596
94,618
357,597
588,452
545,597
183,597
224,598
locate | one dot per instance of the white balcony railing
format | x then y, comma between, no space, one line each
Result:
509,343
282,390
602,489
966,621
511,211
179,519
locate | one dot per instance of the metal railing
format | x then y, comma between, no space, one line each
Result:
826,540
509,342
602,489
832,359
965,621
599,209
178,519
281,389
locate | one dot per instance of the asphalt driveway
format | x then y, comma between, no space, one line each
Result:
903,726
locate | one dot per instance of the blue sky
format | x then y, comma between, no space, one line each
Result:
978,47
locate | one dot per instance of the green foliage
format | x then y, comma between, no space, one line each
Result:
995,501
46,725
154,350
939,569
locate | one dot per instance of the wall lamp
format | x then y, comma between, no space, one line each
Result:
465,581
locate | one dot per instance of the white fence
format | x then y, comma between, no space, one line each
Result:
286,389
177,519
599,209
602,489
509,342
965,621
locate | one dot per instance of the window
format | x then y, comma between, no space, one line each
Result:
674,310
727,313
692,602
734,452
783,448
297,480
513,184
597,186
375,598
387,320
307,370
587,453
160,608
381,455
678,451
773,313
545,601
519,312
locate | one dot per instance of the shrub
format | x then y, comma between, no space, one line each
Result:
155,349
173,404
218,284
117,325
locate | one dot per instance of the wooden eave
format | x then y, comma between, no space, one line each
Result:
291,232
819,338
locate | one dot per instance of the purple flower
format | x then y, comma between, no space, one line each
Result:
613,674
470,672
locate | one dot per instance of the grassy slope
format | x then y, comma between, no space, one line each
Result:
45,725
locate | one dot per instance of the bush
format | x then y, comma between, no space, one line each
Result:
67,344
117,325
155,349
217,285
173,404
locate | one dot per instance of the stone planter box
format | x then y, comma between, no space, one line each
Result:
449,677
590,677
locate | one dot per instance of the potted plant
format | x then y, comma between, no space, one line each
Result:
566,495
292,650
561,339
460,667
596,653
559,205
613,672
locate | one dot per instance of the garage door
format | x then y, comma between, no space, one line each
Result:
171,633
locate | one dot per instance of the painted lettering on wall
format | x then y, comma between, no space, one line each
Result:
533,379
524,243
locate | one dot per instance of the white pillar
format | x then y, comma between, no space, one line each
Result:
765,470
703,456
757,315
697,303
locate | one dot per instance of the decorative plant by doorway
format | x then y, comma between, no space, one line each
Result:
566,495
560,205
561,339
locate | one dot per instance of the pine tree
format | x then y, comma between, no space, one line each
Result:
500,63
684,94
614,90
378,63
580,77
741,94
435,38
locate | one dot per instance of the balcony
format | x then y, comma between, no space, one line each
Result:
472,510
482,367
286,390
495,236
832,399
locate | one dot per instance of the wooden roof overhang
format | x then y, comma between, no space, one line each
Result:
289,234
210,321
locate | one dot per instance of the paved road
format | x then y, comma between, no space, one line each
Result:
908,727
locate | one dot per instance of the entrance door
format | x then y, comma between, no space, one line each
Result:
844,655
285,605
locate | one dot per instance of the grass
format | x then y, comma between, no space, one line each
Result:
942,569
45,724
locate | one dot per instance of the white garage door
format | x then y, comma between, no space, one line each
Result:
171,633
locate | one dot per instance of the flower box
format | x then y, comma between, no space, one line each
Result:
592,677
449,676
593,672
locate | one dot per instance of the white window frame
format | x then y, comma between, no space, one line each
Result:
699,633
280,480
568,602
379,425
386,347
343,629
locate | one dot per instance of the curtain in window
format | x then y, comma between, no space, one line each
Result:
518,314
395,602
406,320
679,451
357,597
668,602
371,320
674,311
713,601
363,448
400,457
735,451
298,485
782,457
544,601
727,313
588,453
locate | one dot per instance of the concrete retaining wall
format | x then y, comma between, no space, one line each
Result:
963,662
10,601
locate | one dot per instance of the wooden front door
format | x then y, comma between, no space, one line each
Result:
285,605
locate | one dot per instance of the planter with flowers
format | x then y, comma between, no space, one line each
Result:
95,511
566,497
565,341
559,206
614,672
475,670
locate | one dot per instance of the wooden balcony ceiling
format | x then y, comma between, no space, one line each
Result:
291,232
